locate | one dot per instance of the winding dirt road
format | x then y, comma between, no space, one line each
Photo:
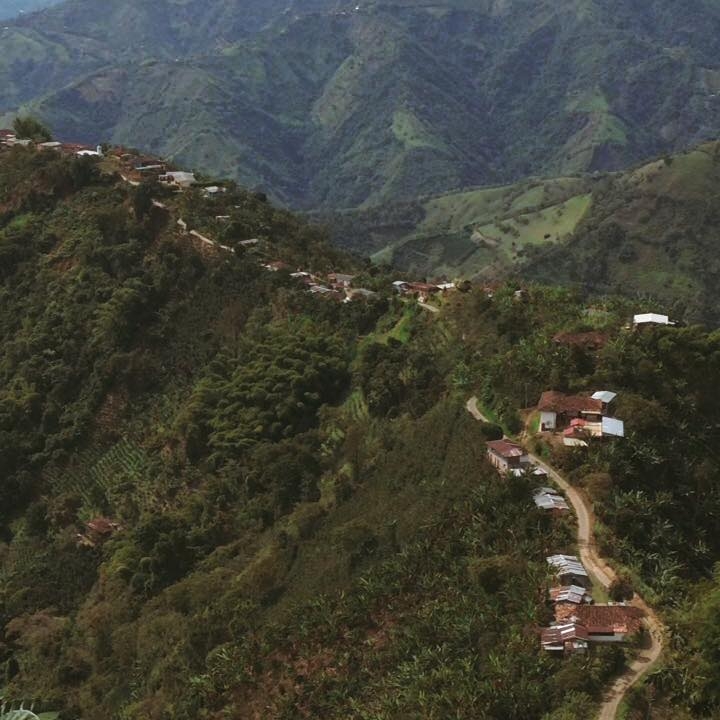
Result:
603,574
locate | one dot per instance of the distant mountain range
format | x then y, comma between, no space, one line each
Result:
650,231
331,104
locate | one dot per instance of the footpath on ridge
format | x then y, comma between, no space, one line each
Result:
599,568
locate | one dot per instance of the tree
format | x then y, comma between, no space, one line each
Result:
621,589
142,200
29,128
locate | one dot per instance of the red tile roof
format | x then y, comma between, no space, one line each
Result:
602,618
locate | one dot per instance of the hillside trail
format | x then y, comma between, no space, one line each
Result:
603,574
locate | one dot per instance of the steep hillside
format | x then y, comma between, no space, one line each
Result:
213,494
649,231
221,494
655,494
472,233
334,104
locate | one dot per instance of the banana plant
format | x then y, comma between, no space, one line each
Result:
21,713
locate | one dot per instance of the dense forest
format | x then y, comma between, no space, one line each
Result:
221,495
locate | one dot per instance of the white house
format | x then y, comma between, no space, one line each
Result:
651,319
550,499
179,178
507,456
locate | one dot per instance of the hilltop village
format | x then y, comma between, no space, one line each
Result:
137,168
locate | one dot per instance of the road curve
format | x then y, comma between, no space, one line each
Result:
603,574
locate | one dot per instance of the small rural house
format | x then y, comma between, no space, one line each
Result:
557,410
569,570
213,190
645,319
178,178
353,294
276,266
422,289
564,638
340,280
507,456
97,531
604,623
549,499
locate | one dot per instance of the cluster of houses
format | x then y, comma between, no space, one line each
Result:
421,290
579,622
509,458
579,417
334,286
9,139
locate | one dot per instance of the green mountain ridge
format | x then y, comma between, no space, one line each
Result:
648,231
338,105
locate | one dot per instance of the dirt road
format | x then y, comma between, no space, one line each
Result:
604,575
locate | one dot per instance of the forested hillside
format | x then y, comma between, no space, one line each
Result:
656,493
650,231
338,104
222,494
217,493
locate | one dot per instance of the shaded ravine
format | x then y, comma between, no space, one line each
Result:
601,571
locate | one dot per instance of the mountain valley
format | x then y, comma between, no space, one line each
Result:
337,105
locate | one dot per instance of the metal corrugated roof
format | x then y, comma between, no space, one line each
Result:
606,396
549,499
656,318
613,426
567,564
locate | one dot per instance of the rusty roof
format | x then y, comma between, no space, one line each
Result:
602,618
563,633
558,402
506,448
